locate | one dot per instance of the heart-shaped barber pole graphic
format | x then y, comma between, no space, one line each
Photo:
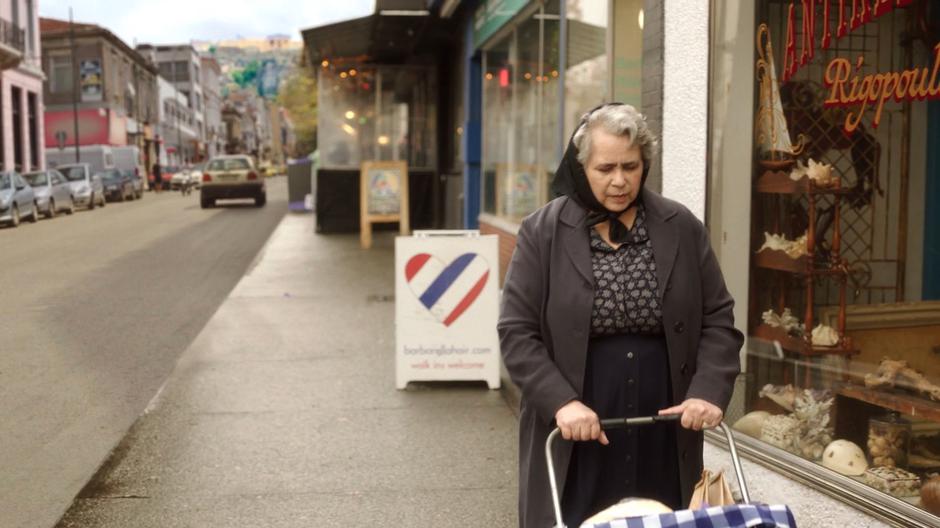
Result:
447,290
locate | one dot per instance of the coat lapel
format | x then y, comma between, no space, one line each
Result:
574,235
664,234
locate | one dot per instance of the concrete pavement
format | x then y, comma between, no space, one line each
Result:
283,412
97,309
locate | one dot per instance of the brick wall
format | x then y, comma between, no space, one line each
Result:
507,243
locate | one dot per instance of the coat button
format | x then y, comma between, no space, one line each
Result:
629,355
684,369
630,381
679,327
684,453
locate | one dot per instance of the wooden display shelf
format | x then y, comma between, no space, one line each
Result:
901,402
779,182
799,345
779,260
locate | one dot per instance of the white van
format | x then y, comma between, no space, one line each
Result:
100,157
127,158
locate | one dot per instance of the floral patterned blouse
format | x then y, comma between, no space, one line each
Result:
626,290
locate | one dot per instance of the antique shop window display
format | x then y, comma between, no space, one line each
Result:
843,366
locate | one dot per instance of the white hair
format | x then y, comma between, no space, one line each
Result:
619,120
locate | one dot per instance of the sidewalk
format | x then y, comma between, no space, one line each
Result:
283,412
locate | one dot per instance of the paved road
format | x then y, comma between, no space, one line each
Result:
96,309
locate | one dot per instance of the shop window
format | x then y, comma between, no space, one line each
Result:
842,366
520,115
388,113
587,74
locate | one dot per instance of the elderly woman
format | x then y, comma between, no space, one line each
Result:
614,305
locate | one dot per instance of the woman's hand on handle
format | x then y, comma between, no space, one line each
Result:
696,414
578,422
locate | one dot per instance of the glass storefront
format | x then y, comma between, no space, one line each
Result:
839,202
524,125
520,115
376,113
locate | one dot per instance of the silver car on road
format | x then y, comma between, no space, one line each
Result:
17,199
52,190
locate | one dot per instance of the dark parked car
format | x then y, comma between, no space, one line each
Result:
136,180
117,187
17,199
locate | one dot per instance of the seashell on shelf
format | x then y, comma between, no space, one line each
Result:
845,457
786,320
780,430
821,173
824,335
752,423
793,248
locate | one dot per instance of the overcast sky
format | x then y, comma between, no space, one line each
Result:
178,21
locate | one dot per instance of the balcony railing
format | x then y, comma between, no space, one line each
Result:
12,44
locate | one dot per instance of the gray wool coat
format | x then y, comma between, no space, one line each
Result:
545,320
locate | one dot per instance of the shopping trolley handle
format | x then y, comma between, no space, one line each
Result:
618,423
615,423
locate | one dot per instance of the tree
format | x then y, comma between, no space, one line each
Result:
298,95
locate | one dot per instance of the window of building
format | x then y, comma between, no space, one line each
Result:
32,108
586,73
521,75
16,102
834,223
60,74
377,114
181,69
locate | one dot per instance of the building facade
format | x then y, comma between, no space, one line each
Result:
178,133
94,76
181,66
22,142
212,92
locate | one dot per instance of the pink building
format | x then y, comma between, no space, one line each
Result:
22,145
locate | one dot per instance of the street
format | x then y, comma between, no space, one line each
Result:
97,308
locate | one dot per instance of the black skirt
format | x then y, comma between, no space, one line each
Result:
627,375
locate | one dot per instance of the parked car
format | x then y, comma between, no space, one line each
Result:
232,176
87,188
117,187
52,192
137,183
16,199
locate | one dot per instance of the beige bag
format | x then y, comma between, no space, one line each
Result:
711,490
